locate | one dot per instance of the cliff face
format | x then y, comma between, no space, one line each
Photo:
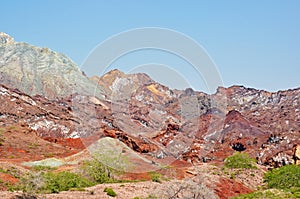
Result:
40,71
47,92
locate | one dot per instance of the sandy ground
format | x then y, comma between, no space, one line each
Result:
123,190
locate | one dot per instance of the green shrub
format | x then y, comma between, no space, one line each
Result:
286,177
11,171
240,160
77,189
98,172
155,177
64,181
53,182
110,192
295,191
283,182
105,167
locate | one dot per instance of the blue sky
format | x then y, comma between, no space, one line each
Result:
253,43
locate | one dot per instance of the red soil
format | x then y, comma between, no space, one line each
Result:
227,188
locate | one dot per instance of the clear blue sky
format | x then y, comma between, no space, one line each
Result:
253,43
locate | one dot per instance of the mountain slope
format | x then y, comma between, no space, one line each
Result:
40,71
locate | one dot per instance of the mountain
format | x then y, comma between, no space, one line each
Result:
147,116
197,127
40,71
159,126
53,108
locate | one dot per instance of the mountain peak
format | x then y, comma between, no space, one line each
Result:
40,71
6,39
113,74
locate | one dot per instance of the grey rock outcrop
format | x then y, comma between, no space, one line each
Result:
41,71
6,39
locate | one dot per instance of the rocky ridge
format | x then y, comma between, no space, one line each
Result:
265,124
41,71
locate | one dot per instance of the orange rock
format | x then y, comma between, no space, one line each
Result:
296,154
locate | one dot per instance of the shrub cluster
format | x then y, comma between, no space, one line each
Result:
43,180
240,160
64,181
105,167
283,182
50,182
286,178
97,172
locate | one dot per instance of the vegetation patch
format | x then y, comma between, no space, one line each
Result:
50,182
11,171
155,177
286,178
283,182
97,172
110,192
240,161
42,168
